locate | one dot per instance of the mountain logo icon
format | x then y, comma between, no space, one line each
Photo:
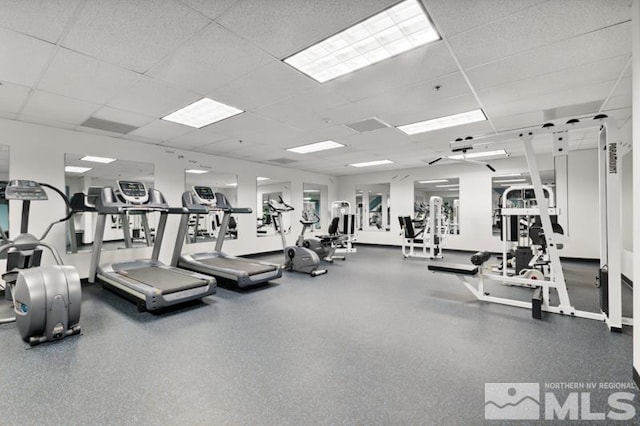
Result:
512,401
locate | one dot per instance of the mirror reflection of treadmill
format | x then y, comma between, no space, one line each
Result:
236,271
149,282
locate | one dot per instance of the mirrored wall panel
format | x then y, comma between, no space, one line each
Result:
204,228
272,189
4,204
516,198
314,205
425,192
373,207
84,173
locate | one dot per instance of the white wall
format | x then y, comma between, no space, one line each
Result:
37,153
476,201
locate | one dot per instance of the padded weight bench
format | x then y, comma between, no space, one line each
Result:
454,268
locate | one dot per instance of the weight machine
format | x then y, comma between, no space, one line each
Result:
346,226
610,232
430,236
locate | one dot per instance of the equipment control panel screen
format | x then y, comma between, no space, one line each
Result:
204,192
132,189
24,190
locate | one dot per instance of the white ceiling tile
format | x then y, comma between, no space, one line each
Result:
194,139
537,26
562,98
335,133
581,76
457,16
23,57
154,98
211,9
599,45
221,147
304,110
8,115
283,28
12,97
211,59
425,63
623,87
133,34
82,77
121,116
264,86
58,108
43,19
441,108
161,130
253,128
516,121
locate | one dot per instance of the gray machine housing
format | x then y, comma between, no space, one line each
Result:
46,299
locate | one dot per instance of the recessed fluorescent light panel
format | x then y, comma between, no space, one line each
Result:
202,113
508,175
313,147
196,171
262,178
74,169
433,181
509,180
448,186
372,163
391,32
104,160
480,154
443,122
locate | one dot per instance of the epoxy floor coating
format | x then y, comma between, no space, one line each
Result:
378,340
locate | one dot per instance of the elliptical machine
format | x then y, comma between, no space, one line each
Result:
46,299
299,259
323,245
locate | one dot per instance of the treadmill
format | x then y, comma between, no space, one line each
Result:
149,282
238,271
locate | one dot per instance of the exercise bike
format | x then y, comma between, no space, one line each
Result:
298,259
46,299
323,245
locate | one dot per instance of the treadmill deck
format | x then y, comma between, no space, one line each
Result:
245,265
166,280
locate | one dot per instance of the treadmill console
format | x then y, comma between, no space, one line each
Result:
204,195
133,192
26,190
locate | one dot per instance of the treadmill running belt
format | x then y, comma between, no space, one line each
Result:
166,280
238,264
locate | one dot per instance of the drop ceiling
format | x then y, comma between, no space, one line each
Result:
133,62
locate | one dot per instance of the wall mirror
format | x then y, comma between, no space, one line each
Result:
4,204
203,228
272,189
500,183
314,201
373,212
84,173
449,191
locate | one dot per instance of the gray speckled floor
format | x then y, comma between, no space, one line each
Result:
378,340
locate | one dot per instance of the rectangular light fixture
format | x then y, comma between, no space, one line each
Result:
262,178
453,190
232,184
75,169
313,147
371,163
93,159
453,185
443,122
196,171
306,199
479,154
202,113
508,175
433,181
509,180
311,191
391,32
